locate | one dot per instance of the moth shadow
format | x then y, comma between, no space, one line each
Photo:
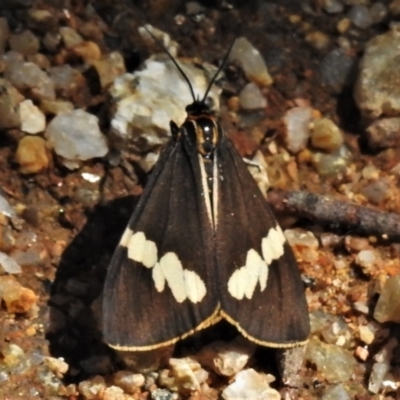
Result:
74,331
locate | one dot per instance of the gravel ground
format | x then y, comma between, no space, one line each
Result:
310,92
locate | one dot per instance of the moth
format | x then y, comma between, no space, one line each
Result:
202,245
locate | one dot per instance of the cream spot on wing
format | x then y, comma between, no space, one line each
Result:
253,270
236,283
272,245
243,281
263,275
173,272
149,257
125,237
195,287
141,250
184,284
136,246
158,277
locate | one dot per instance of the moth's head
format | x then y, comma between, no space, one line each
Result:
201,128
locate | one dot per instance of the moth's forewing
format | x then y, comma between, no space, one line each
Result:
266,303
144,305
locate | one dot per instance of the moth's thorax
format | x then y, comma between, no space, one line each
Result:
203,132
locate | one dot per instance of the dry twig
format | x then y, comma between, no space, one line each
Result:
337,214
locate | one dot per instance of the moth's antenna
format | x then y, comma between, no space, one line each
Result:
218,71
158,41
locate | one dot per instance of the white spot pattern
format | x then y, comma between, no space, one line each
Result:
184,284
244,280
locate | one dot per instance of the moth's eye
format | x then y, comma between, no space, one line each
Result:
209,102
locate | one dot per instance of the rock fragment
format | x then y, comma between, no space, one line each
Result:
17,298
76,136
28,77
251,61
388,305
384,133
251,385
32,155
32,118
377,92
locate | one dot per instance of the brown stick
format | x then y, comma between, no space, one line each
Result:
337,214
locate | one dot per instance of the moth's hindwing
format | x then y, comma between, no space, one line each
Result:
262,293
159,288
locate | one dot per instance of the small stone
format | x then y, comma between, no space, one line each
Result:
333,163
114,393
226,358
384,133
318,39
368,260
251,385
251,98
32,155
109,68
193,8
336,69
377,376
376,91
367,335
334,362
57,365
32,119
6,209
356,244
385,353
91,30
378,12
18,299
370,172
388,305
343,25
304,244
297,121
70,37
9,101
161,394
361,353
332,6
89,52
251,61
8,264
25,43
186,374
4,34
376,192
40,60
26,76
51,41
336,392
54,107
92,389
128,381
42,20
76,136
325,135
68,82
360,16
170,45
330,240
12,355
